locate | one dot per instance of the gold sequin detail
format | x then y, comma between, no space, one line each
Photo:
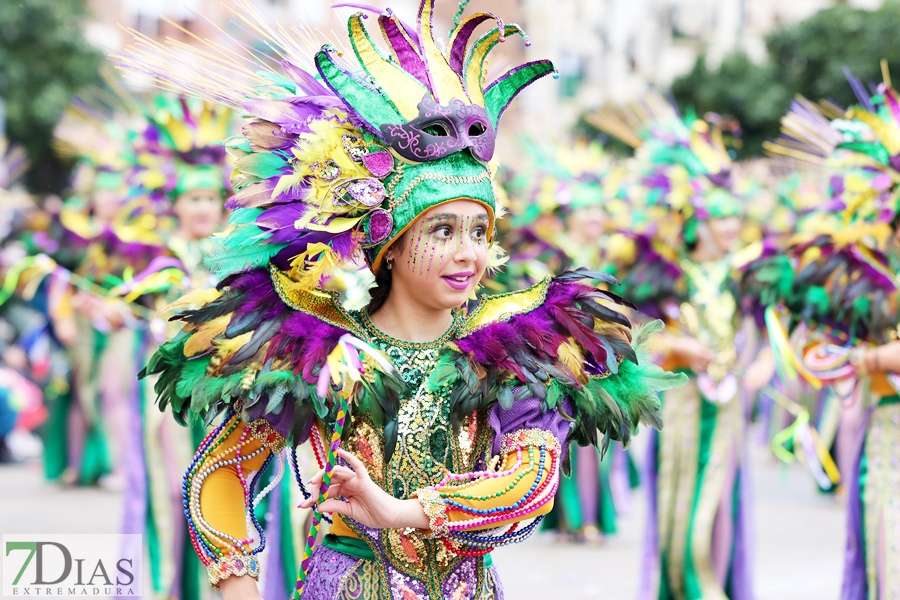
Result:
449,179
503,307
319,303
710,314
261,431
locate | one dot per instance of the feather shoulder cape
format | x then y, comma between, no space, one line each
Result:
261,339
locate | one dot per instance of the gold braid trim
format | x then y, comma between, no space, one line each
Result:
261,431
232,566
529,437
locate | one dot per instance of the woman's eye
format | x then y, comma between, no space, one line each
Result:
443,231
479,233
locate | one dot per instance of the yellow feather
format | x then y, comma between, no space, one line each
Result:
309,276
608,329
227,347
571,357
195,298
203,337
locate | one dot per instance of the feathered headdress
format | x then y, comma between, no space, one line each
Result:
843,282
334,168
858,149
682,164
190,133
13,164
564,177
96,135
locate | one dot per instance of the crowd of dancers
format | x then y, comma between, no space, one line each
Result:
766,292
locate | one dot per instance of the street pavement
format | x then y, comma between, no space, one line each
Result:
798,545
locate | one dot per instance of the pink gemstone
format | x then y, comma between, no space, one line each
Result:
379,164
380,226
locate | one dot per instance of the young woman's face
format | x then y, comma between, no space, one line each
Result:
587,222
106,204
199,213
441,258
725,232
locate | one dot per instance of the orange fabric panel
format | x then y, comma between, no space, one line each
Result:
222,495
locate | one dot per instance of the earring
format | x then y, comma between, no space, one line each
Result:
389,264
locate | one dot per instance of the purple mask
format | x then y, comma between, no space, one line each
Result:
440,131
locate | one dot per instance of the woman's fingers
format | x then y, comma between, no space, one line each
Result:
317,478
340,475
335,506
357,464
334,490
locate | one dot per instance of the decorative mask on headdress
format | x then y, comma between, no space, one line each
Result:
334,168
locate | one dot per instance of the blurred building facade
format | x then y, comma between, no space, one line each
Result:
605,50
610,50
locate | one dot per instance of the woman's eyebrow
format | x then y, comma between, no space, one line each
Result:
453,217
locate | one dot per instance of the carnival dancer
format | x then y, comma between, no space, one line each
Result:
387,159
17,393
798,421
696,542
183,139
105,337
575,185
845,293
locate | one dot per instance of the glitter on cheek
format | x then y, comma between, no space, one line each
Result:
412,251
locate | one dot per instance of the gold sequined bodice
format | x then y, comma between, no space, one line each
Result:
427,449
710,312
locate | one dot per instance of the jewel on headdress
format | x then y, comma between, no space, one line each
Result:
355,146
380,164
368,192
381,223
325,169
375,158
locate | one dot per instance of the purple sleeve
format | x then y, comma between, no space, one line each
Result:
527,414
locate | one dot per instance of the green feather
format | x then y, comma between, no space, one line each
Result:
262,165
244,248
192,373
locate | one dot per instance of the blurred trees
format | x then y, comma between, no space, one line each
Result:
805,58
44,59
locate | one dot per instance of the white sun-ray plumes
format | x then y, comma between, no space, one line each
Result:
13,163
226,70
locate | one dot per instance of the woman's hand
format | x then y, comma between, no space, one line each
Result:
366,502
760,372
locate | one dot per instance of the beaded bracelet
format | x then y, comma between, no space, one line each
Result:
436,511
233,566
439,499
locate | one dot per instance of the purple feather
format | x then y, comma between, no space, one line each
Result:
279,221
305,81
292,113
